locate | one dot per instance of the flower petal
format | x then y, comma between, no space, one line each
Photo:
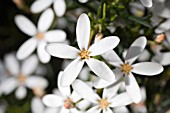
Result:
52,100
71,72
94,109
75,96
51,110
104,45
132,88
59,7
24,23
21,92
108,110
144,56
163,58
121,110
11,64
26,48
55,36
101,69
83,31
85,91
122,99
40,5
83,105
42,53
147,68
112,58
45,20
165,26
65,91
29,65
147,3
62,51
36,81
64,110
135,49
37,105
8,85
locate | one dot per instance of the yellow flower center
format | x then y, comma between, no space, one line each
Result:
40,35
68,103
103,103
21,78
84,54
126,68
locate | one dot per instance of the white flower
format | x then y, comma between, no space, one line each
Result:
40,35
109,98
147,3
126,68
20,76
58,5
83,1
84,54
65,99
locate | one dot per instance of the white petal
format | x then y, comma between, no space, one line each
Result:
27,48
29,65
163,27
122,99
59,7
83,105
132,88
21,92
71,72
52,100
94,109
65,91
163,58
62,51
42,53
84,74
167,34
108,110
112,58
147,68
64,110
104,45
83,31
144,56
74,110
101,69
40,5
85,91
45,20
121,110
75,96
55,36
135,49
37,105
11,64
24,23
147,3
36,81
51,110
8,85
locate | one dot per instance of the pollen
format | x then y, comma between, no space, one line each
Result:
84,54
21,78
126,68
40,35
103,103
68,103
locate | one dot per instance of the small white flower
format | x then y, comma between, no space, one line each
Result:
40,35
58,5
84,54
83,1
20,76
64,99
126,68
109,98
147,3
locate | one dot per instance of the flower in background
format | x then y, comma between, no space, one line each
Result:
110,98
58,5
21,78
64,99
83,1
126,68
147,3
84,54
40,35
